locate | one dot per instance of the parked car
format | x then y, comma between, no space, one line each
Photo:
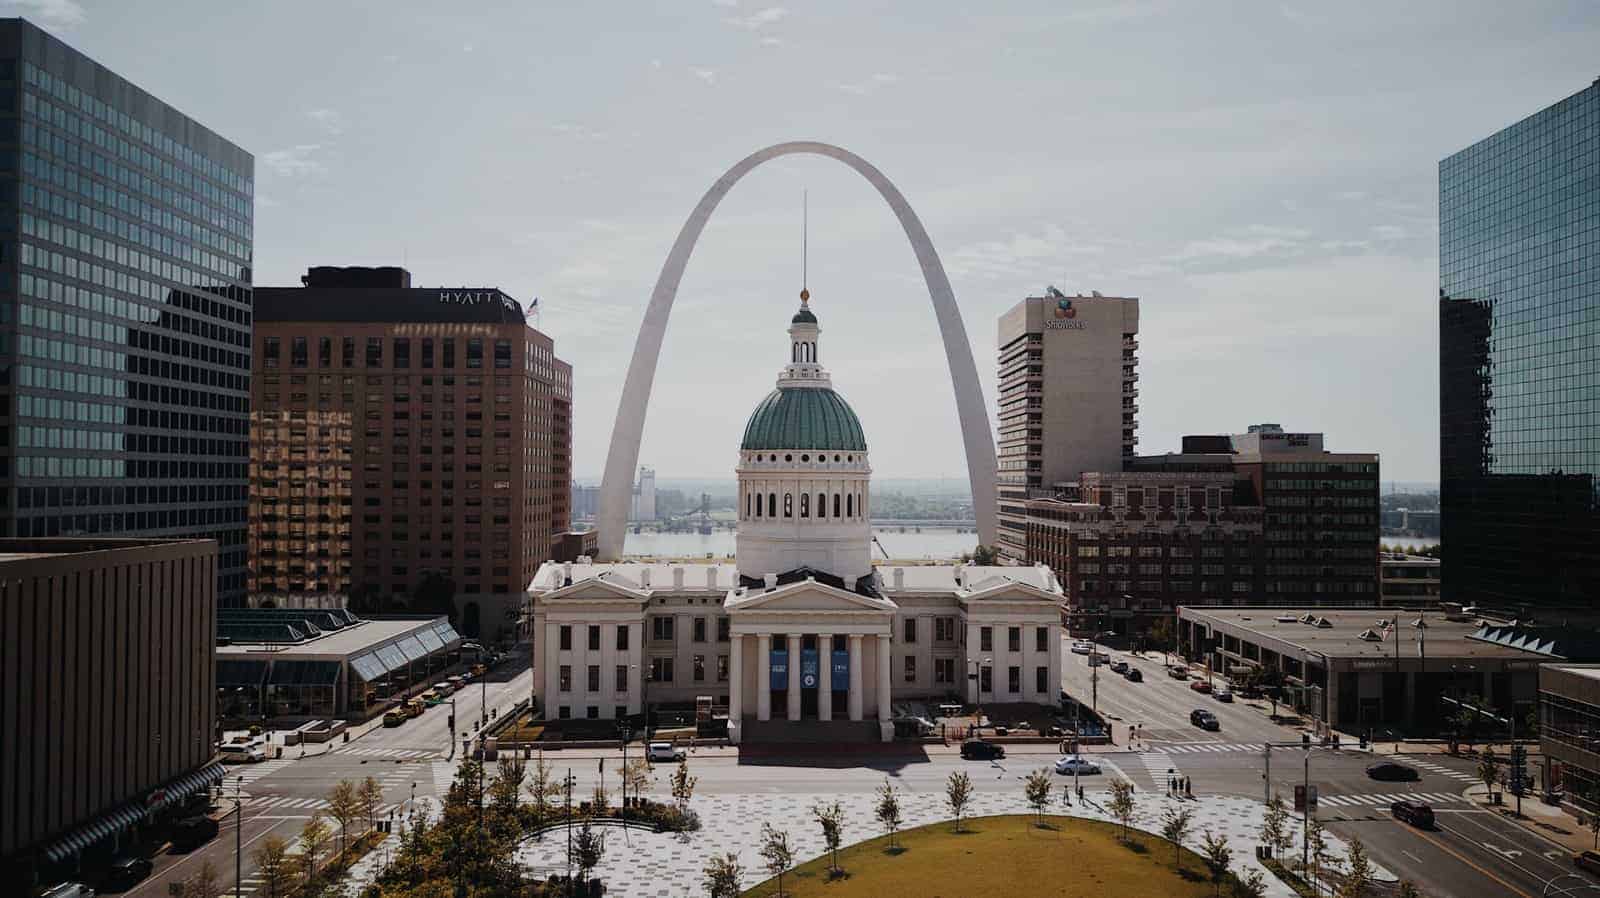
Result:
1413,812
126,873
979,750
1204,719
1178,672
1587,860
1133,675
1200,686
236,753
395,718
68,890
1389,771
663,753
1222,695
1078,763
1119,666
192,832
1082,647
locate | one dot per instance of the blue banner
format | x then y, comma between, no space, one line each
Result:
841,671
780,669
809,669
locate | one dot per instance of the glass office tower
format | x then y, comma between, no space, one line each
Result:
1519,362
125,246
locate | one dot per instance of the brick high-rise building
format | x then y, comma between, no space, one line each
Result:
402,436
124,310
1068,385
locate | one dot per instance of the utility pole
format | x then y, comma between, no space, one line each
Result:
450,736
238,840
1305,814
1266,757
569,826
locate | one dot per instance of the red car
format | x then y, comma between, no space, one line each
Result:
1200,686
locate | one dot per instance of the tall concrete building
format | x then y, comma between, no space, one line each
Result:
1519,363
125,310
401,436
107,695
1069,385
644,496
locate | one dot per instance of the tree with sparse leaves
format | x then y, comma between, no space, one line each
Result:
588,848
1036,788
776,853
723,875
1121,805
1275,826
369,796
1175,828
1215,852
831,818
272,865
1318,845
1488,769
203,884
958,794
1407,890
888,811
543,788
314,838
637,776
683,786
344,806
1251,885
1358,873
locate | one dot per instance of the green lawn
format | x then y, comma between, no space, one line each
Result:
1007,857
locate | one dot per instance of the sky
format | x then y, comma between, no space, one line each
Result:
1263,176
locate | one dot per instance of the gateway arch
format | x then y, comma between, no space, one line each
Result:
616,488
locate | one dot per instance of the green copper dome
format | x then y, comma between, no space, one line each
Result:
804,418
804,316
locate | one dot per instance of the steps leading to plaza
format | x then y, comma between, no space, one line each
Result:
800,732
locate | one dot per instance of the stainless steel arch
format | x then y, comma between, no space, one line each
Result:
616,487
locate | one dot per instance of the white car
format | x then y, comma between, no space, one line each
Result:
237,753
1078,763
663,753
1082,647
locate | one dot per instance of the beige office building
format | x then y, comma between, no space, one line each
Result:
1069,385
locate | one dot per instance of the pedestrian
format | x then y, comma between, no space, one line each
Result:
1080,794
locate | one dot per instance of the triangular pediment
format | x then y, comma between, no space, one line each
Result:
805,596
607,586
1004,589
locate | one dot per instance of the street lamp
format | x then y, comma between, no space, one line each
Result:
238,839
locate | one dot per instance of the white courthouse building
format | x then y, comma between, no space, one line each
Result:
803,630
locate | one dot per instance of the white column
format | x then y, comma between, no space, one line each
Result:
1056,648
552,669
637,674
764,676
883,679
825,676
794,674
855,676
735,678
971,663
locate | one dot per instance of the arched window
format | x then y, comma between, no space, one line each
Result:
794,352
850,505
835,504
759,503
813,351
822,505
747,505
788,505
772,505
805,505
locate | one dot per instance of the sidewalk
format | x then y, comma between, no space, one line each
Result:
1552,823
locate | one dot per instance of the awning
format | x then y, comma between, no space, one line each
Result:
430,640
110,823
446,632
188,784
393,659
368,667
412,648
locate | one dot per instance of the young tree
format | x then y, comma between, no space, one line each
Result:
1488,769
637,777
588,847
370,796
1318,844
203,884
344,806
831,819
1251,885
776,853
1175,828
1275,826
723,875
1121,804
599,800
1407,890
958,794
272,865
1036,788
1217,855
543,789
1594,819
683,786
1358,870
888,811
314,838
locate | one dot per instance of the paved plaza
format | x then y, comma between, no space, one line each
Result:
640,864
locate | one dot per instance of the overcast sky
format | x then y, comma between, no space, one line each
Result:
1263,176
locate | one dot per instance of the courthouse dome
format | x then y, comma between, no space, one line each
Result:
804,418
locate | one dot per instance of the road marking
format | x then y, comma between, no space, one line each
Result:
1465,860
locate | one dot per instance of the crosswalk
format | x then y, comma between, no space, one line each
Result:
402,754
249,773
1441,770
1339,801
1193,747
296,803
1159,764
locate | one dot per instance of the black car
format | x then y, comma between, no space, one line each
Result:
1389,771
979,750
192,832
1204,719
1133,675
125,874
1413,812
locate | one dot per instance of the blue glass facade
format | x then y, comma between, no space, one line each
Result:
1519,373
124,309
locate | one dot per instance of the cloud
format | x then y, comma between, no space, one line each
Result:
862,88
1244,243
1390,232
329,119
574,129
709,76
769,16
770,41
1036,255
296,161
57,13
725,4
